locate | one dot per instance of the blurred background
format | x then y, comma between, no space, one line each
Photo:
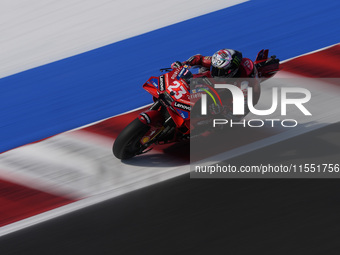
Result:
71,80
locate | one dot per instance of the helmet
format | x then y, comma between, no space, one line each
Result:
225,63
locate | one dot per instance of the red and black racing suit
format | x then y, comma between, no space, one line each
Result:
246,69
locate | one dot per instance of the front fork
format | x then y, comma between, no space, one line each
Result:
160,122
153,116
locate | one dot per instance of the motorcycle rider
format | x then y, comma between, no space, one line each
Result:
226,63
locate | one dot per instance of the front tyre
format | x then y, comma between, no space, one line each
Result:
127,144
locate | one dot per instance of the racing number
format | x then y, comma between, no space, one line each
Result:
178,93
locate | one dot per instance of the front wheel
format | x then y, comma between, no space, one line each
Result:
127,144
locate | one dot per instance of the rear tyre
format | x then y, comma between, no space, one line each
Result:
127,144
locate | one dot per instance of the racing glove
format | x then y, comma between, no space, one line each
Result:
194,60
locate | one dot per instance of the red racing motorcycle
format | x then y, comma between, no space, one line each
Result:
168,118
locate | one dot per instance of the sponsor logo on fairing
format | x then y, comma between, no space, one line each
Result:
184,71
183,106
175,74
184,114
161,83
155,82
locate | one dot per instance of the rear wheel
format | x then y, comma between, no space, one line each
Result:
127,144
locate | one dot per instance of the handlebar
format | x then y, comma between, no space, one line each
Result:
166,69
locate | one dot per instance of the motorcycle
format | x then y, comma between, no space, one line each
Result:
168,118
